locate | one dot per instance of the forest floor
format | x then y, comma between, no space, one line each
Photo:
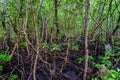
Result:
22,64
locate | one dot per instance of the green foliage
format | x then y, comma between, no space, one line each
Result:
117,51
4,57
1,4
55,47
106,59
24,43
14,77
118,69
94,78
91,58
108,54
45,45
1,35
1,68
112,75
100,57
74,46
117,43
98,65
106,62
71,16
80,60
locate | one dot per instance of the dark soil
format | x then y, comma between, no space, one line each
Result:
22,64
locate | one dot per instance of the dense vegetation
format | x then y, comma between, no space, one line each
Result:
59,40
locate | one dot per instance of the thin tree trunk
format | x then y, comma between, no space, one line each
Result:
86,38
56,16
37,41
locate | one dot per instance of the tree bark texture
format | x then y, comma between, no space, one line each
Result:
86,38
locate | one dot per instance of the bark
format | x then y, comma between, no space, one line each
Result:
56,16
37,40
86,38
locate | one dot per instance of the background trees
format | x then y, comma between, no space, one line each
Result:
69,15
40,29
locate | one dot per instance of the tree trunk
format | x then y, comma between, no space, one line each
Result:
56,17
86,38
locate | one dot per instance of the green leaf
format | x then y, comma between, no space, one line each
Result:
98,65
4,57
55,47
113,73
13,76
100,57
90,58
1,68
45,45
23,43
107,62
80,60
118,69
94,78
74,47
